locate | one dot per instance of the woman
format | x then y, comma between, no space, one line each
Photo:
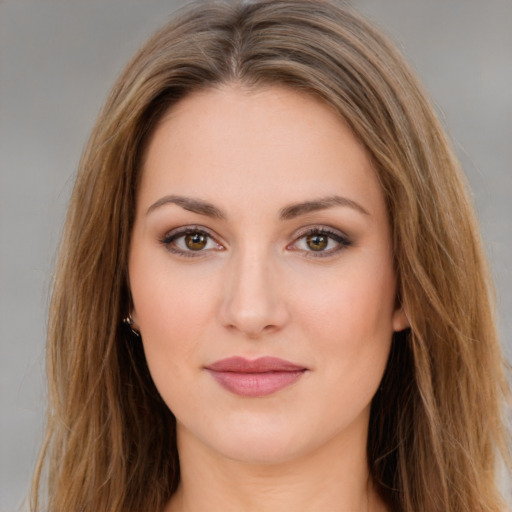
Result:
270,268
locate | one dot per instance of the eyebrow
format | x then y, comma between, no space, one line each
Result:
297,209
192,205
289,212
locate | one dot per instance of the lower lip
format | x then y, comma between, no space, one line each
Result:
256,384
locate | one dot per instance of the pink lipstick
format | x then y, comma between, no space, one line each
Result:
259,377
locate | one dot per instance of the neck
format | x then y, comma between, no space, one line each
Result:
333,477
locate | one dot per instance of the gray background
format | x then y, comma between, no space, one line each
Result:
57,62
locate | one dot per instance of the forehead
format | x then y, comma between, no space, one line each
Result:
261,146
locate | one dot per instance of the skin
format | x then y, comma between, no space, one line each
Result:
258,289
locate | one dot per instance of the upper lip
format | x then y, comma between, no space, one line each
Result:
265,364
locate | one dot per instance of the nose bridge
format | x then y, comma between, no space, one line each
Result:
252,302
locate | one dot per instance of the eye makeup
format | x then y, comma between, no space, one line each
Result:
320,242
313,242
190,241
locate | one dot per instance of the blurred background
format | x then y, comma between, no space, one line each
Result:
58,59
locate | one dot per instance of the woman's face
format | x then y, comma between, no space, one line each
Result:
261,232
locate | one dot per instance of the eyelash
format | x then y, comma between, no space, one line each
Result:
341,239
175,235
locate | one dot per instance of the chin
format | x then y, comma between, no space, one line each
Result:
260,440
259,449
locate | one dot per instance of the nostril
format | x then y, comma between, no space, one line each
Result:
249,301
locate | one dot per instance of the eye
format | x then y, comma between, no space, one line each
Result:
195,241
190,242
321,242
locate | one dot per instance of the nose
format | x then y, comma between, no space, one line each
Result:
253,301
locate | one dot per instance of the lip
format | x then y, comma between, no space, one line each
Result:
255,378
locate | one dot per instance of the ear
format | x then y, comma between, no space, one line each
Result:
400,321
135,319
132,312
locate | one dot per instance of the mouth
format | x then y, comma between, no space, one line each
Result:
255,378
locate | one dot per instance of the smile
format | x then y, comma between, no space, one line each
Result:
260,377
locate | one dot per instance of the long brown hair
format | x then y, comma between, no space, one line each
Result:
437,427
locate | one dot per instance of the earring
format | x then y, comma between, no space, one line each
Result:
130,323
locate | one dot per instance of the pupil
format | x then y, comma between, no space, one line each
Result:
317,242
195,241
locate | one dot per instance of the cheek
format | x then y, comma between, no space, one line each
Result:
357,304
349,320
171,308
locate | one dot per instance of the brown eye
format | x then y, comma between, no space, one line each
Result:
321,242
196,241
317,242
190,242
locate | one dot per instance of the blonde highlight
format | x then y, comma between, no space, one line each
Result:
437,424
